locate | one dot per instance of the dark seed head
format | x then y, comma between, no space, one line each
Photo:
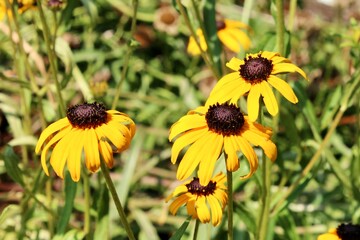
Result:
348,231
256,69
196,188
225,119
87,115
220,25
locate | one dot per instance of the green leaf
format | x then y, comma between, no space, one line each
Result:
246,216
332,104
11,164
180,232
147,228
65,212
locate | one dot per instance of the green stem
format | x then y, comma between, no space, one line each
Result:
196,230
116,199
265,193
292,11
127,56
52,59
230,205
194,35
280,27
87,217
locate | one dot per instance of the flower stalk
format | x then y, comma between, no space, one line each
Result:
116,200
230,232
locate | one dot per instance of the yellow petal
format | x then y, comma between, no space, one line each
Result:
288,67
229,40
230,148
52,128
221,196
92,156
283,87
235,24
193,48
74,160
216,212
235,64
239,37
52,141
113,135
202,210
250,155
186,139
186,123
269,98
190,207
269,55
209,155
270,149
177,203
180,190
328,236
253,102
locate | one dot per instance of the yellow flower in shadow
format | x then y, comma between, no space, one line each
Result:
231,33
256,75
211,130
203,202
89,129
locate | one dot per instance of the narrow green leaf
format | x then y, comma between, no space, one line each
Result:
65,212
180,232
147,228
11,164
246,216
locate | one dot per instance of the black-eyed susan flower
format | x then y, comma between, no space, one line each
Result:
88,128
256,75
214,128
24,5
231,33
166,19
342,232
198,198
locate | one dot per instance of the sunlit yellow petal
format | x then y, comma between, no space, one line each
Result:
178,202
229,40
199,110
268,55
186,123
186,139
190,207
240,37
328,236
230,148
202,210
235,64
180,190
52,128
250,155
269,98
106,153
113,135
221,196
193,47
283,87
235,24
288,67
209,157
74,159
92,156
215,209
253,102
270,149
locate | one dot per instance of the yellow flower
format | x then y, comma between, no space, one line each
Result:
199,197
342,232
25,5
230,34
253,76
209,130
87,127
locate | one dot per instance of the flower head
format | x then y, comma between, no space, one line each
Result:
255,75
230,33
342,232
25,5
88,128
210,129
199,197
167,20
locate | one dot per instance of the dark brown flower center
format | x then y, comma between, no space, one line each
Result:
194,187
55,4
220,25
256,69
225,119
87,115
348,231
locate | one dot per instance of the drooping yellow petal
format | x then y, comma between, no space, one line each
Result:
202,210
250,155
52,141
288,67
269,98
229,40
115,137
193,156
328,236
283,87
186,139
241,37
52,128
74,159
270,149
268,55
235,24
209,155
178,202
190,207
253,102
180,190
193,47
92,156
106,153
235,64
215,209
230,148
221,196
186,123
